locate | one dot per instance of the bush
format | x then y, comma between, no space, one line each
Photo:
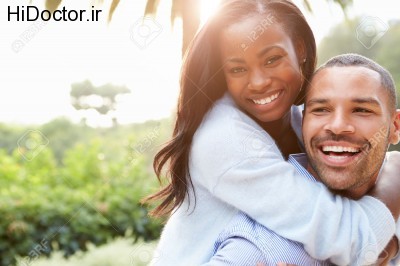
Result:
87,199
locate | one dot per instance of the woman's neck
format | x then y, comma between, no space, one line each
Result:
277,128
283,134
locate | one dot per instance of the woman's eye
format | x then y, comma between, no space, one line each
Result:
237,70
273,59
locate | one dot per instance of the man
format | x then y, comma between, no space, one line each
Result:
350,119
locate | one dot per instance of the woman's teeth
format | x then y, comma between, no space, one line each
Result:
267,99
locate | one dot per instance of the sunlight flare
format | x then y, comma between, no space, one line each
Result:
207,9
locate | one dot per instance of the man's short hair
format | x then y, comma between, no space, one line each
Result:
347,60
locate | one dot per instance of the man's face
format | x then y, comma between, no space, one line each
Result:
348,126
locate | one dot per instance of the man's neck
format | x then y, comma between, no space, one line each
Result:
352,193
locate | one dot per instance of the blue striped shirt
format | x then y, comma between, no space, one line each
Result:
245,242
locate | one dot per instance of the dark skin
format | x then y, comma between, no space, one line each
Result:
282,132
385,190
390,251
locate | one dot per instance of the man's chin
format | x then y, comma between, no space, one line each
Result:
338,180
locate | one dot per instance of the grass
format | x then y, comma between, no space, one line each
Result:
120,252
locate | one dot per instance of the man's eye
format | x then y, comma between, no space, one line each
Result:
237,70
362,110
273,59
319,110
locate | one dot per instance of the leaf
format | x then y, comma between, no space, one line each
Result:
344,4
151,7
52,5
176,10
307,5
113,6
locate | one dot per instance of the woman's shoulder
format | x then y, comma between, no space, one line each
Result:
226,119
227,132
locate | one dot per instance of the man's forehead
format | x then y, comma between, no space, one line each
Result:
345,79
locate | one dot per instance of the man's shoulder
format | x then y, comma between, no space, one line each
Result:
300,162
243,226
240,224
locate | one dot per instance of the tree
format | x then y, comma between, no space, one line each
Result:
381,45
188,10
389,52
103,99
345,38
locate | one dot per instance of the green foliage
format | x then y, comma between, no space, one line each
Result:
89,195
343,39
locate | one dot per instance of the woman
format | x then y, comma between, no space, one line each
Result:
234,112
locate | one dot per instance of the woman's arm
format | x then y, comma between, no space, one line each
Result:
238,163
387,187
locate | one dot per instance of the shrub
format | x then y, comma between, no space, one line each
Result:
88,199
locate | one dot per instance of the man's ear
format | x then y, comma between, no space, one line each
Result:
395,132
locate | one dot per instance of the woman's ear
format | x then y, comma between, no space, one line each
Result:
301,51
395,132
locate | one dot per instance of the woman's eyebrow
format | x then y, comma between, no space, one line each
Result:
234,60
266,50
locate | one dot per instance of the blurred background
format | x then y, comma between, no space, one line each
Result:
86,104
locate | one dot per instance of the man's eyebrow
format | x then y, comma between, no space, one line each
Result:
316,101
368,100
360,100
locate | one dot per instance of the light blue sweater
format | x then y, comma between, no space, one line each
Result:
235,165
246,242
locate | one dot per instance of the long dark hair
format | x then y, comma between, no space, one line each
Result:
202,83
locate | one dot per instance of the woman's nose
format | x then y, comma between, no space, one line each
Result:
259,80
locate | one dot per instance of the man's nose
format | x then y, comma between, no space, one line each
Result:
339,123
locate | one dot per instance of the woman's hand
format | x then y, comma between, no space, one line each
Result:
388,186
389,252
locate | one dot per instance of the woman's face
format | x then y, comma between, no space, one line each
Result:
261,67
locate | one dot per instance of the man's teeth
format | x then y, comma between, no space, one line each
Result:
339,149
267,99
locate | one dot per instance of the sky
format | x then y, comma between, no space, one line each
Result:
39,61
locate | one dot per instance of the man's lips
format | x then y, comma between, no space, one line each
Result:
339,154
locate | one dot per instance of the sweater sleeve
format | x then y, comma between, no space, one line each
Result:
239,163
